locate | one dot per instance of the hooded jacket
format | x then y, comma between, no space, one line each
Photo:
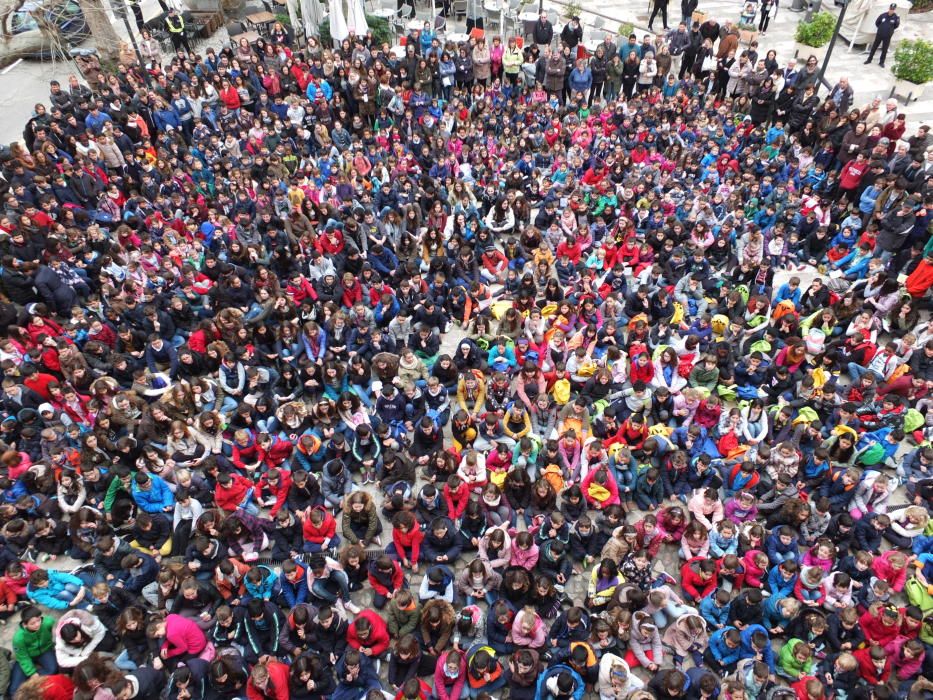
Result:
378,640
69,656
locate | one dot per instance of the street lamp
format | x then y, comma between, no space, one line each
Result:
123,11
832,42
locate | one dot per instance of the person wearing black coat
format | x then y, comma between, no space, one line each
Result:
310,678
695,43
686,10
599,67
266,631
192,677
329,636
142,683
543,33
762,103
659,6
56,294
572,33
17,286
803,108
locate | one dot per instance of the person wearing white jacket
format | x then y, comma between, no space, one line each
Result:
79,634
616,680
872,494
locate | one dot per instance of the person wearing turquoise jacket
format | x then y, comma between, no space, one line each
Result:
56,589
152,494
560,681
263,583
33,648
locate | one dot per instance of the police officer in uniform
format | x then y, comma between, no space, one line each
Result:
886,23
175,24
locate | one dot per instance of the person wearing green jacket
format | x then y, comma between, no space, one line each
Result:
33,647
795,660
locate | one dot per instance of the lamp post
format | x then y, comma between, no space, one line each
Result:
122,9
832,42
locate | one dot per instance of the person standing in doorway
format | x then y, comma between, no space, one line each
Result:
886,24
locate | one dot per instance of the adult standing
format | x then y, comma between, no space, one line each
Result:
886,24
687,8
768,10
692,50
175,24
659,6
678,41
572,33
543,33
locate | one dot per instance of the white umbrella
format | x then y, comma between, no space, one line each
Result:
357,17
311,16
338,22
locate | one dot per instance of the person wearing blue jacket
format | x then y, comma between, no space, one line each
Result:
781,545
715,608
789,291
560,682
756,644
139,570
293,582
356,676
319,88
441,542
724,650
261,582
152,494
782,578
580,79
57,590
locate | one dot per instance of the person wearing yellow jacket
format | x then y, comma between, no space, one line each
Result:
512,59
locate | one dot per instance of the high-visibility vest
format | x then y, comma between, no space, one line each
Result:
175,30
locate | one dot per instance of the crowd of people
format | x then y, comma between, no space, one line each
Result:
484,370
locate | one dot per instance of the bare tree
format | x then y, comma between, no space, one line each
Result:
105,37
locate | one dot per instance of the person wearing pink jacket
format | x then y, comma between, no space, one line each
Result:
450,676
891,567
183,639
706,507
528,630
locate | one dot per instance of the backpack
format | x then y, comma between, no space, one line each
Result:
784,308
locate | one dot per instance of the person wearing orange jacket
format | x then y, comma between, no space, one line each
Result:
268,680
369,634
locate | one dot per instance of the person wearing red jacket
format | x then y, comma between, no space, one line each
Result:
368,634
698,578
880,623
319,530
277,482
16,577
406,540
874,666
268,680
457,496
600,488
58,686
809,688
352,293
852,173
232,491
386,578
